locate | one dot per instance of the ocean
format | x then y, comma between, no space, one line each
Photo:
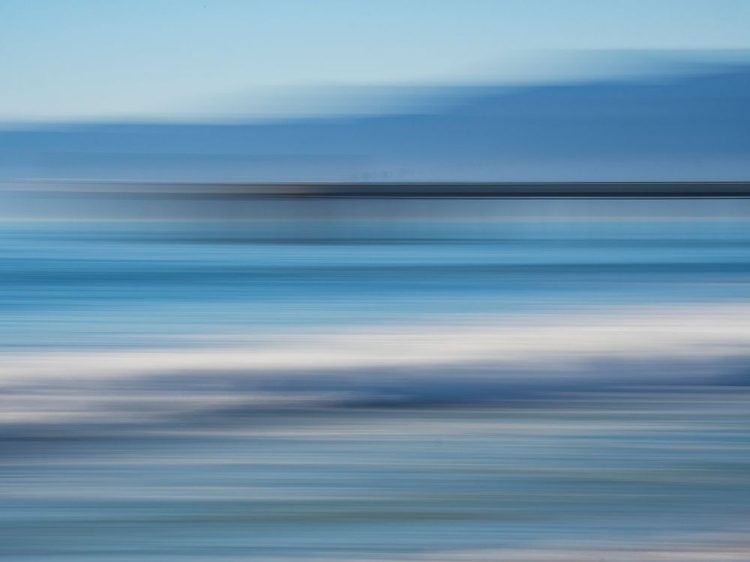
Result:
421,380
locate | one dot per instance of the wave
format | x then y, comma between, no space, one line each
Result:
444,360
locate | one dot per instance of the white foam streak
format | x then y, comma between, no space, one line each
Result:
562,342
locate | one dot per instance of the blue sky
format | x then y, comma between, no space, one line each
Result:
94,59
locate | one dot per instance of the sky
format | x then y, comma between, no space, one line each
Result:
117,59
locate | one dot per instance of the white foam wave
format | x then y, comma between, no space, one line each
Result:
80,384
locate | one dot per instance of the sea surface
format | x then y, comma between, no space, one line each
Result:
137,421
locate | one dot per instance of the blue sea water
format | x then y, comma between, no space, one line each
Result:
110,283
349,485
619,468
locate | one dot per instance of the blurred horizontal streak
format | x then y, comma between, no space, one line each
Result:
717,548
395,190
451,360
